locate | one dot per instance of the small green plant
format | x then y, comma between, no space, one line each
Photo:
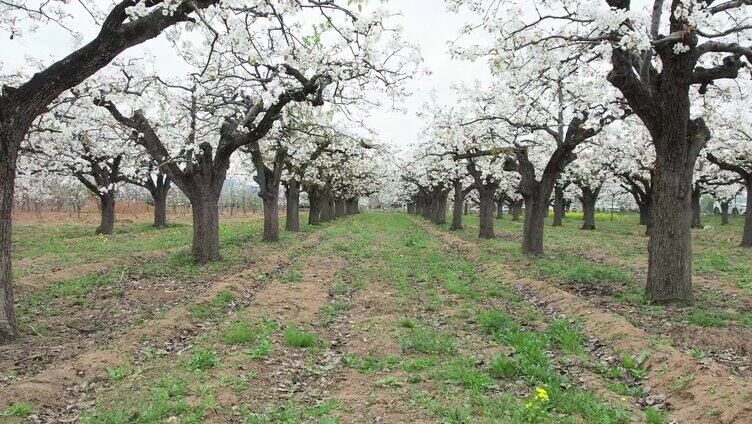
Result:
680,384
292,275
566,337
705,318
21,410
389,381
261,350
222,299
370,364
633,365
295,337
654,416
203,359
116,374
492,321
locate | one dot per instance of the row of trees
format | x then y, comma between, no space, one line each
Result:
265,84
585,92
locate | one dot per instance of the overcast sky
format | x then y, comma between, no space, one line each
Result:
426,23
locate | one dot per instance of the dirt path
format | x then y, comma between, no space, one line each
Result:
58,387
693,389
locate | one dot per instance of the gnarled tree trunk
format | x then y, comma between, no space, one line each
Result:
271,215
292,198
532,231
107,213
205,208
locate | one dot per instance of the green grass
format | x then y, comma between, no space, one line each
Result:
20,410
202,359
295,337
422,339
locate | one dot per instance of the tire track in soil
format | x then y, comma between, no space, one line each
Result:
714,386
58,388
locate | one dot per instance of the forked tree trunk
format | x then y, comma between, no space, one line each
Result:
7,181
747,235
205,210
271,215
589,197
696,209
459,197
340,209
499,209
559,207
532,230
725,212
107,213
314,209
292,199
486,197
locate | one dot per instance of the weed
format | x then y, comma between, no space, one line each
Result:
654,416
21,410
203,359
426,340
295,337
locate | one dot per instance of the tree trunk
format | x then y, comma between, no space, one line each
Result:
427,207
467,208
7,181
644,213
351,207
696,208
589,197
411,208
725,212
340,208
205,228
747,236
670,245
532,230
107,213
459,196
327,206
559,209
516,209
271,215
486,197
314,208
499,209
160,211
292,196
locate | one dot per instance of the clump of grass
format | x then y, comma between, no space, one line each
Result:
493,321
238,333
565,337
116,374
292,275
426,340
462,372
20,410
203,359
223,299
705,318
371,364
296,337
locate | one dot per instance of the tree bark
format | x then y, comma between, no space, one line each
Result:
327,206
725,212
696,208
107,213
499,209
314,209
532,229
486,197
516,209
160,210
292,196
205,210
7,181
340,208
589,197
747,235
411,208
559,208
467,208
351,207
670,245
459,197
271,215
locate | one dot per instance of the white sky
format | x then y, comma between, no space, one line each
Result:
426,23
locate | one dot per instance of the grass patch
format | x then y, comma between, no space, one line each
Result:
295,337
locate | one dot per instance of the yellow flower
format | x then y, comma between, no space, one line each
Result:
541,394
